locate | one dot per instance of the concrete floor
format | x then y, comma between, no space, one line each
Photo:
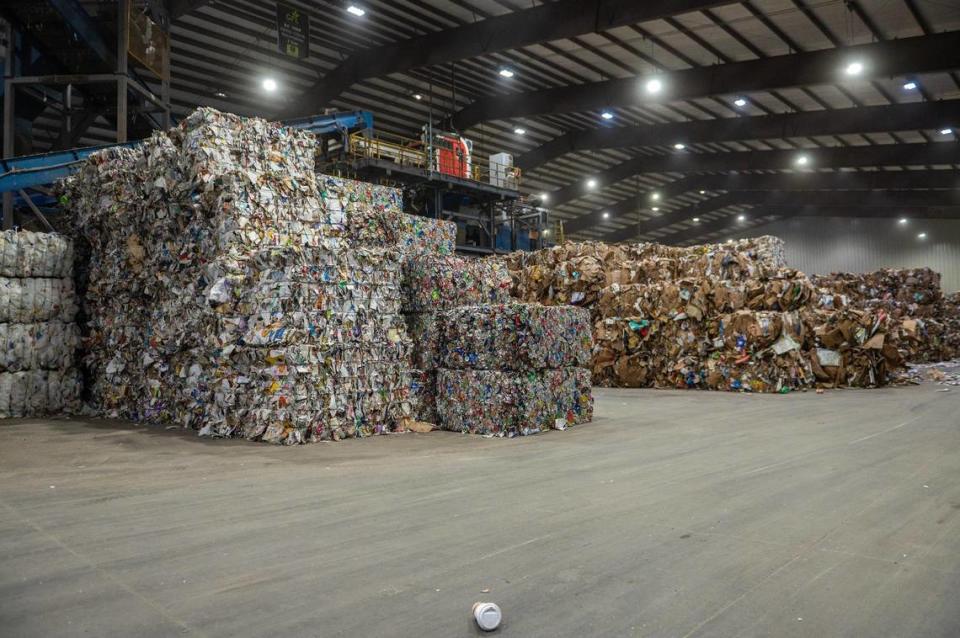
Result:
673,514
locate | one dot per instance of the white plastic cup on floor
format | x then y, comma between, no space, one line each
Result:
487,615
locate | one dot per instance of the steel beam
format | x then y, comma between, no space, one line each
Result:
922,54
836,157
85,27
882,203
729,224
543,23
867,119
180,8
806,181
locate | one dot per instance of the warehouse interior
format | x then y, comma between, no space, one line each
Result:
480,317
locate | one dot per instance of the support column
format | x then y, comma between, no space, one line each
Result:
123,41
9,134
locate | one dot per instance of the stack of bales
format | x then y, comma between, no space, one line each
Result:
432,284
38,332
726,316
232,290
514,369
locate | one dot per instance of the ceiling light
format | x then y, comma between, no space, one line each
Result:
417,96
922,236
696,220
803,160
544,197
679,146
607,115
703,192
655,196
741,218
740,102
854,68
355,10
506,73
946,131
909,86
903,221
520,131
654,85
729,241
220,94
546,232
606,215
591,183
655,208
269,84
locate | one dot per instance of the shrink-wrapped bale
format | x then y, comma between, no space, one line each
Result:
516,336
508,403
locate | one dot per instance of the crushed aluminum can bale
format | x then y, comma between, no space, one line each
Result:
435,283
507,404
516,336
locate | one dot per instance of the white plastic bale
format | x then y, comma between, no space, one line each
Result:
29,300
38,392
38,346
28,254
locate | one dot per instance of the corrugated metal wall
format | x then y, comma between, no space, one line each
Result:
823,245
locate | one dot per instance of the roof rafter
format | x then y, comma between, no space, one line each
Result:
920,54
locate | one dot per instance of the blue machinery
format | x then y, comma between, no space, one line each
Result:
38,172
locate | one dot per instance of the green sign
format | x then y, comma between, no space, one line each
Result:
293,31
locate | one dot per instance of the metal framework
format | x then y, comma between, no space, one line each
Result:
129,87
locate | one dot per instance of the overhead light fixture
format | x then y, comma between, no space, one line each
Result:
544,198
355,10
506,73
741,218
219,94
655,208
854,68
520,131
730,241
703,192
269,84
606,215
903,221
679,146
655,196
803,160
546,232
922,236
591,183
417,96
909,86
696,220
740,102
946,131
654,86
607,115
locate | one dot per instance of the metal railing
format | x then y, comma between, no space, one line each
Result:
411,152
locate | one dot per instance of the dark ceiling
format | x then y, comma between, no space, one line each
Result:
573,60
